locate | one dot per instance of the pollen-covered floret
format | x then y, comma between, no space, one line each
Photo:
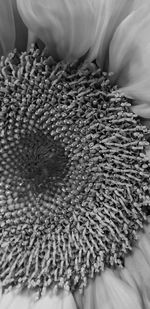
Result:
74,178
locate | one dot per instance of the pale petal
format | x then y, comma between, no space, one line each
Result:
62,301
126,276
101,295
121,294
88,298
6,300
65,26
139,3
7,27
130,266
129,54
144,245
109,15
20,302
139,268
142,109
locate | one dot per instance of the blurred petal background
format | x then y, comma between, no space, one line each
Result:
7,27
115,33
65,27
13,32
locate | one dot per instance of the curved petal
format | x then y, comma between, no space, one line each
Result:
129,55
121,294
109,15
101,295
95,295
7,27
139,269
108,291
126,277
88,298
65,26
21,31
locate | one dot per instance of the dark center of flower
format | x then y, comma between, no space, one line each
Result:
39,161
75,179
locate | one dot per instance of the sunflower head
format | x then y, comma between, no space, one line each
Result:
74,179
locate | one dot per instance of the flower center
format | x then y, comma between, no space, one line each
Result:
41,161
73,161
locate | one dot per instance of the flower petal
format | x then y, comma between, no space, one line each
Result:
21,31
126,276
121,294
20,301
101,295
7,27
109,15
129,54
95,295
144,245
139,268
88,298
142,109
62,301
65,26
6,300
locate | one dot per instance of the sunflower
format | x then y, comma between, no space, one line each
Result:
74,217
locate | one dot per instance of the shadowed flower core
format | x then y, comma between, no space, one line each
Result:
74,180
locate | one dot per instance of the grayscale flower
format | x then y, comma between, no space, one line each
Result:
74,189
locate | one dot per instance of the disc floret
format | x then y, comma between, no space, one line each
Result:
75,179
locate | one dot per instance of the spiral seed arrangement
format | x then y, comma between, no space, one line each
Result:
74,179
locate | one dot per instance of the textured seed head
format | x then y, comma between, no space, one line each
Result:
74,177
